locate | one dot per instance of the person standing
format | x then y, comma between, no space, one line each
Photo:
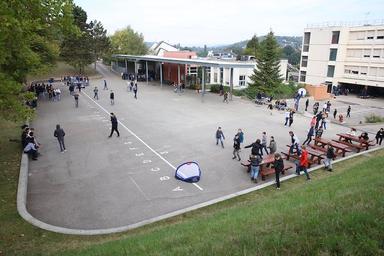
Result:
96,92
59,134
272,145
241,135
310,134
319,116
287,114
291,118
76,96
278,164
303,162
112,97
306,104
264,143
379,136
225,97
135,90
114,125
294,143
236,147
105,85
255,166
330,156
349,111
256,148
334,113
220,137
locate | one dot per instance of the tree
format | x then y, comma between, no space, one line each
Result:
100,42
30,35
77,48
127,41
292,54
266,76
252,47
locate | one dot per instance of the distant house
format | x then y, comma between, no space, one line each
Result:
158,49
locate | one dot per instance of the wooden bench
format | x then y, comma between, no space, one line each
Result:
337,153
358,147
266,170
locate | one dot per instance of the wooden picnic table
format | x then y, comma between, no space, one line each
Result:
340,148
314,155
265,168
348,139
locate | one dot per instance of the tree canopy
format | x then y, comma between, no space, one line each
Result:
252,47
127,41
266,76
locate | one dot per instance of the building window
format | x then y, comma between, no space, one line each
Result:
380,37
304,61
331,71
332,54
363,71
367,53
376,53
242,80
307,39
215,77
335,37
370,34
302,76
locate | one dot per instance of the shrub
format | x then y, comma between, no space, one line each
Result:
374,119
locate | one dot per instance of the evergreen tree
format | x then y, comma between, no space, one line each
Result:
252,47
266,76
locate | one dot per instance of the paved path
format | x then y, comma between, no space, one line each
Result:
105,183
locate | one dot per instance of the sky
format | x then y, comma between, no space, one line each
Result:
199,22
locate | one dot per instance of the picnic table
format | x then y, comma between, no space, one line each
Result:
348,139
314,155
340,148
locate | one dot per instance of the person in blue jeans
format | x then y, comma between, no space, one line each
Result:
220,137
255,166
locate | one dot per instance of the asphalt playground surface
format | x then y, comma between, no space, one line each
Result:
103,182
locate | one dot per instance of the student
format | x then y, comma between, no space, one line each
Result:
287,115
330,156
278,164
272,145
303,162
76,96
334,113
225,97
135,90
294,144
241,135
105,85
319,132
306,104
364,136
349,111
310,134
379,136
236,147
112,97
220,137
59,134
31,150
255,166
114,125
264,142
291,117
96,92
256,148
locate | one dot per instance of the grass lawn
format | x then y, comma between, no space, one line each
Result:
62,69
339,213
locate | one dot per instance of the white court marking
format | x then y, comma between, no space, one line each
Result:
137,137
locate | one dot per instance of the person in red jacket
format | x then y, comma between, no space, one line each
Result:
303,164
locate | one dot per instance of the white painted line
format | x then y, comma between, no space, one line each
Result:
137,137
139,188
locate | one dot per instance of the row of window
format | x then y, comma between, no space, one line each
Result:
365,53
366,35
332,57
364,71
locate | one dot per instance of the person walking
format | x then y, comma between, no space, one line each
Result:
278,164
220,137
272,145
349,111
135,90
294,143
264,143
236,147
76,96
59,134
291,117
319,116
255,166
287,114
379,136
334,113
225,97
306,104
241,135
329,157
105,85
114,125
256,148
310,134
96,93
112,97
303,162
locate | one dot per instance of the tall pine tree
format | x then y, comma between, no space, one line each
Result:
266,76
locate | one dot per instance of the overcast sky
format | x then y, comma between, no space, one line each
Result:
199,22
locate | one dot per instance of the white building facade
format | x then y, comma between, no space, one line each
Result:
339,55
241,76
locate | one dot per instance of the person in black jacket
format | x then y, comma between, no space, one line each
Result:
330,156
279,167
256,148
59,134
379,136
236,147
219,137
114,125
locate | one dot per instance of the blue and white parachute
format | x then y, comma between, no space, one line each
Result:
188,172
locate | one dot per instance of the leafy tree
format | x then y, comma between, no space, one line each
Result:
266,76
77,48
127,41
100,42
30,35
292,54
252,47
